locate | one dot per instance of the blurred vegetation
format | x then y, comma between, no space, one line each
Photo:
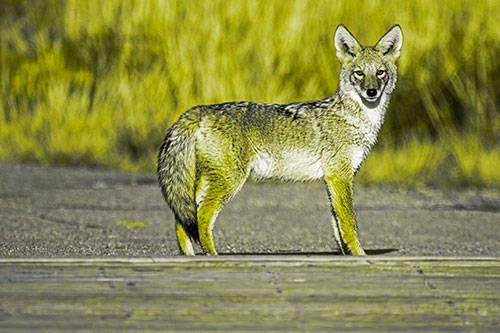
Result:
97,83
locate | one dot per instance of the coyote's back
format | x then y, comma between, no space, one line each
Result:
209,153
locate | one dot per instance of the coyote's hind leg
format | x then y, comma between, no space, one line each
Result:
213,192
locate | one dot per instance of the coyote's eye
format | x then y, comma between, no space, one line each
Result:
359,74
381,73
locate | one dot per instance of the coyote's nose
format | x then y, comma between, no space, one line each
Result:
371,92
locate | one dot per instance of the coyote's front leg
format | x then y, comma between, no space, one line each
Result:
339,189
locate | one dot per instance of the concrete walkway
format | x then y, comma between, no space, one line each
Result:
59,211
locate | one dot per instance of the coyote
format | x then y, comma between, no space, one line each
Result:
208,154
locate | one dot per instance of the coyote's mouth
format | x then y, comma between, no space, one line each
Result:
371,99
371,102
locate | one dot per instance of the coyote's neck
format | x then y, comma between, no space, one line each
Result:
368,117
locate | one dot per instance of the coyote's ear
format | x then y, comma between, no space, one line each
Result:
346,45
390,43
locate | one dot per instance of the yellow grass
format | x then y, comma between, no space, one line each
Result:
97,83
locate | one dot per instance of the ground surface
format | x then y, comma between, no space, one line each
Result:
87,250
56,211
250,294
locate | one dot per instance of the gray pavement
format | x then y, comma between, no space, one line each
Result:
66,211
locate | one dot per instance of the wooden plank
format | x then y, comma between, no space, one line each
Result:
260,293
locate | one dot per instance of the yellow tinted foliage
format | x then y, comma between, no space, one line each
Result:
98,82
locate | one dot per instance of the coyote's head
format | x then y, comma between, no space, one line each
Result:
368,72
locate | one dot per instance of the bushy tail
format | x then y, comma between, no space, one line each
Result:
177,172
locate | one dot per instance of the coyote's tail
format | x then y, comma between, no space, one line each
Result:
177,172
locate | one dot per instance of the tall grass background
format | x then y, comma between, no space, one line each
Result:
97,83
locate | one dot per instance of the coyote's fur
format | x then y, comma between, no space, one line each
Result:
209,153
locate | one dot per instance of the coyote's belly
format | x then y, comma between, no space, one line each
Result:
293,165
